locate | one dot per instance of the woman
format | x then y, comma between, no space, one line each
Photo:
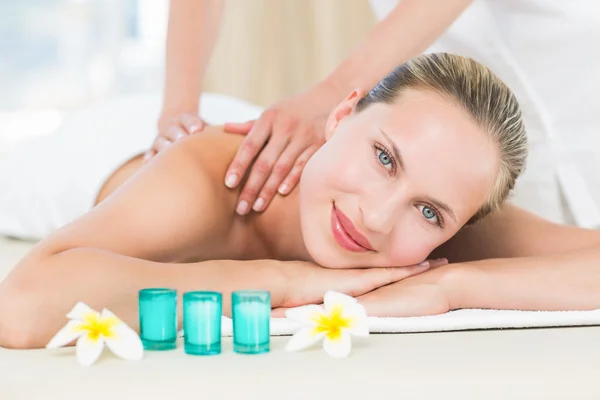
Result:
436,145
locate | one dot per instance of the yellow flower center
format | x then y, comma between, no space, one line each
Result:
332,323
96,325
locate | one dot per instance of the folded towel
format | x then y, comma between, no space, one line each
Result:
454,321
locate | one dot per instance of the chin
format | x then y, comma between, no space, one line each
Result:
329,255
322,253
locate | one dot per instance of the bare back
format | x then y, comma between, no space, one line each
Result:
174,208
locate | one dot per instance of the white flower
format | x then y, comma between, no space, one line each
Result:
341,317
92,330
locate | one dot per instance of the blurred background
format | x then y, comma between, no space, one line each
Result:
60,55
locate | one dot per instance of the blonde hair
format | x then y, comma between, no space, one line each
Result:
476,89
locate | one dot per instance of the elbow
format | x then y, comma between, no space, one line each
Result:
22,320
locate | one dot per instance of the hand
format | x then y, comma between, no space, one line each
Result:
306,283
171,129
292,129
417,296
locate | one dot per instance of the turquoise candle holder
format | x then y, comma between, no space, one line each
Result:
158,318
251,314
202,322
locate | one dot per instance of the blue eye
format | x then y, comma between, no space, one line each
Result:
384,158
429,214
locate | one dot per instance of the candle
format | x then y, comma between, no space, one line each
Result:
251,312
158,318
202,322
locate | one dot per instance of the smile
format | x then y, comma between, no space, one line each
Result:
346,234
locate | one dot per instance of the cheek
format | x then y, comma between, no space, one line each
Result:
411,245
339,166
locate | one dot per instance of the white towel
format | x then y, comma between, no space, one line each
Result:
459,320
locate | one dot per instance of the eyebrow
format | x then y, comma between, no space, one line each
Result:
438,204
395,150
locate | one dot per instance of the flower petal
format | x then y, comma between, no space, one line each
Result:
339,347
333,299
125,343
358,315
89,349
304,338
66,335
306,315
108,315
80,310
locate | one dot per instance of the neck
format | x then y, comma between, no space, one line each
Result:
279,229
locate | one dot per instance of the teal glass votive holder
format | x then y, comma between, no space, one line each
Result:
158,318
251,314
202,323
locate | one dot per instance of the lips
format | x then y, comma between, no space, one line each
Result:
346,234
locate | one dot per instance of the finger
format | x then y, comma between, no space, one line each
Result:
438,262
278,312
292,179
173,133
192,123
249,148
161,143
377,277
281,169
149,154
260,172
239,128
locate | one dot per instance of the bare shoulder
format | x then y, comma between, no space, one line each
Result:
514,232
213,150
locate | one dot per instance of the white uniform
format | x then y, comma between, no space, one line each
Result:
548,52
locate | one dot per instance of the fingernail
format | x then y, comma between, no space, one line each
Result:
231,180
147,156
180,135
283,189
258,204
442,260
242,207
194,128
424,263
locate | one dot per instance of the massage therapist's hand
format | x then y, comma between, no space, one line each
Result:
419,295
305,282
172,128
284,137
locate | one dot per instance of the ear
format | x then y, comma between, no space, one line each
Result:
343,110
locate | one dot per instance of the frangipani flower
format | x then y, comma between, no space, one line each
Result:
92,330
340,317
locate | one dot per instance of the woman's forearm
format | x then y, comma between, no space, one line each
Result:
566,281
35,298
406,32
192,34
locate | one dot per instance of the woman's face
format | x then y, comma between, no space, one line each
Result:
393,182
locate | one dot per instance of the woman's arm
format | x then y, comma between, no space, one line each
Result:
405,33
565,281
516,260
192,33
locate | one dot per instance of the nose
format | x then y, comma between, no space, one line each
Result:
381,209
